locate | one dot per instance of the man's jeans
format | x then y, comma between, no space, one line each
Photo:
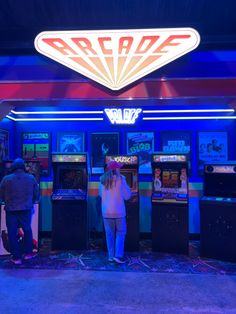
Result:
14,221
115,229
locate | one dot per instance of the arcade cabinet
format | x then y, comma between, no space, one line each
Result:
218,211
130,171
170,203
69,201
32,167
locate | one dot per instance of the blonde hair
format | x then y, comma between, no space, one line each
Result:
107,179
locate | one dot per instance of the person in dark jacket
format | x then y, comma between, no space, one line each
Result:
19,191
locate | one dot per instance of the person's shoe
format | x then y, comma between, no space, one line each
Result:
16,261
30,256
119,260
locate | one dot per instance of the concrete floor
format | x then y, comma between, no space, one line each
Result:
73,291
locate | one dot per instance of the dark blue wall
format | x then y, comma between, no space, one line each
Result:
104,126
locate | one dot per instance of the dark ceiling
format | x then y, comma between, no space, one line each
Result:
21,21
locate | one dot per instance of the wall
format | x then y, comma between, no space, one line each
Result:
9,126
195,181
196,64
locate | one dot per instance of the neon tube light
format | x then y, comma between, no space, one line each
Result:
56,112
188,110
145,118
54,119
101,112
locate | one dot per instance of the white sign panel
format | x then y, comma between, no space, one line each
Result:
117,58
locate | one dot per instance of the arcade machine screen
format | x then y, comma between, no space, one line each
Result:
222,186
170,184
71,178
129,177
170,179
221,183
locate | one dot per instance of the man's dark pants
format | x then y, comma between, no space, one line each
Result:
14,220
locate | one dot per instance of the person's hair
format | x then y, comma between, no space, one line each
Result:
107,178
18,163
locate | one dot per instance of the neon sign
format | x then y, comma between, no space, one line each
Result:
122,116
117,58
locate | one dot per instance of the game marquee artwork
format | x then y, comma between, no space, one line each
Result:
212,146
141,144
70,142
36,145
103,144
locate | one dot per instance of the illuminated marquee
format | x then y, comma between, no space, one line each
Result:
69,158
116,58
126,160
167,158
220,169
122,116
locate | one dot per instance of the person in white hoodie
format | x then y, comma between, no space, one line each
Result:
114,190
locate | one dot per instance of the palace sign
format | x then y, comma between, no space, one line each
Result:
123,116
117,58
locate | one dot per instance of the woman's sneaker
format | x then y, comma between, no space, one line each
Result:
16,261
30,256
119,260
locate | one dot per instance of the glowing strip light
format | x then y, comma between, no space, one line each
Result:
188,110
56,112
190,118
147,118
54,119
101,112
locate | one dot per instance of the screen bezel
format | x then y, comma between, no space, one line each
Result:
68,167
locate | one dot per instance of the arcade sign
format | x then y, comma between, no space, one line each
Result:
122,116
117,58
